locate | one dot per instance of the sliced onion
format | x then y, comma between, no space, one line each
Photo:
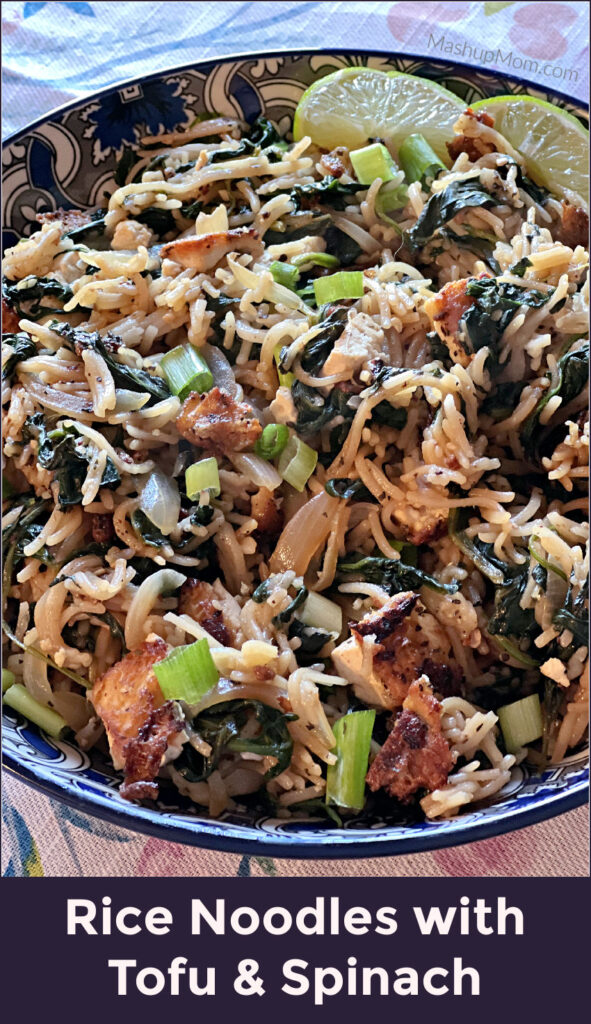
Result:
304,534
60,401
137,624
161,501
129,401
73,707
222,372
262,473
556,590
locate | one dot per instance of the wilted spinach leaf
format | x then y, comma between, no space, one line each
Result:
509,618
341,245
312,641
319,348
161,222
95,228
444,206
124,376
24,348
31,290
65,453
145,529
574,616
328,192
315,411
394,575
501,402
493,308
124,165
348,489
518,269
572,376
480,245
221,727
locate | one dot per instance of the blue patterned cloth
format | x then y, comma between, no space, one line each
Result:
55,52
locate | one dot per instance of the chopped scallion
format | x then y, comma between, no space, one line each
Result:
8,679
186,371
315,259
373,162
285,379
543,559
418,161
187,673
285,274
297,462
272,441
347,284
521,723
202,476
514,652
345,780
389,199
20,699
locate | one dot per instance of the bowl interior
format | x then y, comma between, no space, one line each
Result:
69,159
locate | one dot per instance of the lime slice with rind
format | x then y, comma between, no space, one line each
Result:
354,105
553,142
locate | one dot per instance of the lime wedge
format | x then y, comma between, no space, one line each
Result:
555,144
354,105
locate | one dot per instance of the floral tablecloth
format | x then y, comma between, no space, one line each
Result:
55,52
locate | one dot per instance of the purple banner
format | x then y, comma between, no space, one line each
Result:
469,950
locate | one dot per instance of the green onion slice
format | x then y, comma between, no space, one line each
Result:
20,699
285,379
514,652
373,162
297,462
272,441
202,476
345,780
419,161
186,371
388,200
347,284
285,274
540,556
521,723
187,673
8,679
315,259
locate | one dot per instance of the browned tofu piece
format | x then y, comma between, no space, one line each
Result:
217,422
446,310
404,649
69,218
473,147
10,319
196,598
265,509
101,527
139,723
416,755
203,252
574,226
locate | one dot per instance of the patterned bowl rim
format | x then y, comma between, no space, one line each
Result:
223,835
303,51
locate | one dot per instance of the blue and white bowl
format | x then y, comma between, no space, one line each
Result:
67,159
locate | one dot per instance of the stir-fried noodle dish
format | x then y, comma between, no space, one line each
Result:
295,463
